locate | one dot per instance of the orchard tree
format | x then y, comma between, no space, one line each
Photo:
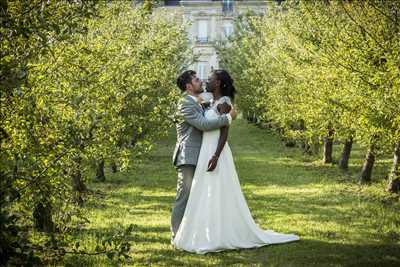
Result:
324,71
81,95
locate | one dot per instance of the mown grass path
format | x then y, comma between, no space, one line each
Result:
339,222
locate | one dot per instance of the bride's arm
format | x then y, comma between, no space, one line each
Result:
223,137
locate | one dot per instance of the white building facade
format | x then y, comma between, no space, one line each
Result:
211,21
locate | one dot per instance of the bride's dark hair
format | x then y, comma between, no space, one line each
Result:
227,88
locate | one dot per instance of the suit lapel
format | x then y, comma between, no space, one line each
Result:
187,96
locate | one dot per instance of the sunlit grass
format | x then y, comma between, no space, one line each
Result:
339,222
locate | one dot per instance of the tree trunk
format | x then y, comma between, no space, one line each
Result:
42,218
15,169
394,176
77,184
100,177
133,138
306,147
289,142
328,148
114,167
247,116
254,118
344,160
366,171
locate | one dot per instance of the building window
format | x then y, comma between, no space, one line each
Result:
228,29
202,70
171,2
227,5
202,32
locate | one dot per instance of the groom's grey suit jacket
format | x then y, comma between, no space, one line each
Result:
190,129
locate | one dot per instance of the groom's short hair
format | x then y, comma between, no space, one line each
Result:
185,78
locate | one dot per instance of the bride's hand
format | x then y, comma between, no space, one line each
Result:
212,163
224,108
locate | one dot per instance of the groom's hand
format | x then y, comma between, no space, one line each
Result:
212,163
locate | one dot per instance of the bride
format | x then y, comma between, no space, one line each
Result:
217,217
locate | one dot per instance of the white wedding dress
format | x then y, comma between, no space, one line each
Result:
217,216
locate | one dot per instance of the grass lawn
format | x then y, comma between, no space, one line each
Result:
339,222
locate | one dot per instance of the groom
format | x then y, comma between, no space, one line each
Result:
189,136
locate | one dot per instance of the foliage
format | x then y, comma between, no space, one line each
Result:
84,82
316,68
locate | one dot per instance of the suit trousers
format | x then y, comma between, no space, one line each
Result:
184,184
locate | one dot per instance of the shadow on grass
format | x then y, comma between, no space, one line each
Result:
306,252
302,253
324,207
261,164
